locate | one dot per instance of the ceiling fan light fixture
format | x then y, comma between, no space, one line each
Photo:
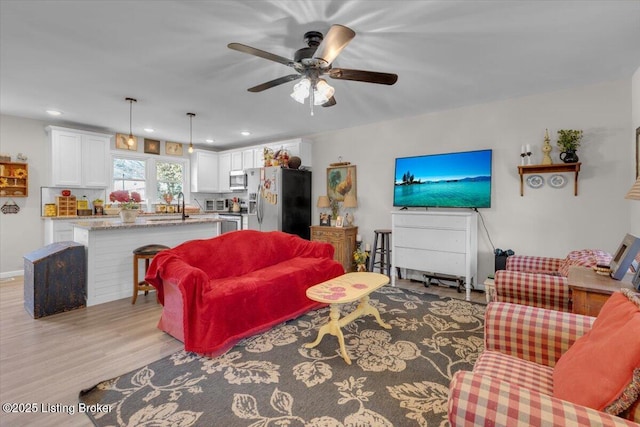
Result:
301,91
323,92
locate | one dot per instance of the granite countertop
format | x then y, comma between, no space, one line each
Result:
142,222
142,215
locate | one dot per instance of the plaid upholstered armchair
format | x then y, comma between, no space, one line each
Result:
550,368
542,281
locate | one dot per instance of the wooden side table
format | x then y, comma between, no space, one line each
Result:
343,240
590,290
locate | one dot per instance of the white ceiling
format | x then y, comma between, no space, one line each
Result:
85,57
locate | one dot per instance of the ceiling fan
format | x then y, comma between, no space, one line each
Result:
313,62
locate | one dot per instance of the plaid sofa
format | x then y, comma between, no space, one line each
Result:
511,383
542,281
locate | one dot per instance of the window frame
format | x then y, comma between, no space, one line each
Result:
152,198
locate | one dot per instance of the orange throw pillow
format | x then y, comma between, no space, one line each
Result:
599,366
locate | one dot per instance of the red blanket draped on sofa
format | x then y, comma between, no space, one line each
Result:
220,290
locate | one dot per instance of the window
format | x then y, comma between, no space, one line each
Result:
130,174
169,179
152,177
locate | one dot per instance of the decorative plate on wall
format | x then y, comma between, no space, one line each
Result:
557,181
535,181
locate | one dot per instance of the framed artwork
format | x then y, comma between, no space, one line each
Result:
121,142
173,148
325,219
341,180
637,153
339,221
151,146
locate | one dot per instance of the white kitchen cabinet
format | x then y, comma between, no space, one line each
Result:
247,159
436,243
78,158
204,172
258,157
224,167
60,230
236,160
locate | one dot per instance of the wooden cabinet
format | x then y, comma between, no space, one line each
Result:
78,158
343,240
14,179
438,243
590,290
204,172
555,168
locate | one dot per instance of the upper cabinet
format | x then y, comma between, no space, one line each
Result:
204,172
236,161
78,158
224,165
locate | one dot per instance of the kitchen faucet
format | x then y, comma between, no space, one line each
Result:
181,195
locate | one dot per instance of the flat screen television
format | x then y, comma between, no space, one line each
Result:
450,180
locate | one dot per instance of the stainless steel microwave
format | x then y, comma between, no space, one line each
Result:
237,180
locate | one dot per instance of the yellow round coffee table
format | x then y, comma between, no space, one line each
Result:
341,290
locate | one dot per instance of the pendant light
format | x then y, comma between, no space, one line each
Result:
130,140
191,116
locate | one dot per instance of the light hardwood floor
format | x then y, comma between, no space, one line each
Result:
47,361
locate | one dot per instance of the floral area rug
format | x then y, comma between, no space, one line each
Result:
398,377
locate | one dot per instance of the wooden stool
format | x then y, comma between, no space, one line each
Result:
383,252
146,253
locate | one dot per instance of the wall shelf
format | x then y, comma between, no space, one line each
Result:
14,179
560,167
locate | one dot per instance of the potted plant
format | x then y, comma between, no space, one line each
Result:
128,203
568,142
335,210
360,257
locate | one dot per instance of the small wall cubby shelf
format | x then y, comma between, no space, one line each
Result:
555,168
14,179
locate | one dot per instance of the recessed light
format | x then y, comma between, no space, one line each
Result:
210,141
54,112
245,133
149,130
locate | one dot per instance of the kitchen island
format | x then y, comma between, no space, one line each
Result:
110,246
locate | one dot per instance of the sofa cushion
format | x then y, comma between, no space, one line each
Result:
599,367
520,372
584,258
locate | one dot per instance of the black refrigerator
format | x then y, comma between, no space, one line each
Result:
280,199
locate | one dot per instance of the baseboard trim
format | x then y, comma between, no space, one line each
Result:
9,274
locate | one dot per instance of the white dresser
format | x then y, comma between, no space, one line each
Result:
436,242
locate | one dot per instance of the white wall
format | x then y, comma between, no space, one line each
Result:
22,232
634,205
545,221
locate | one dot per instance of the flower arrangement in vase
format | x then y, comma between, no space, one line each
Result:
360,257
568,142
125,199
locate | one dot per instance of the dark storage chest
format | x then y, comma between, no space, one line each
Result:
55,279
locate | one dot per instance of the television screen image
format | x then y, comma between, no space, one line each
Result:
451,180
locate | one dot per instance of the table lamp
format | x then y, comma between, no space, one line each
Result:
350,201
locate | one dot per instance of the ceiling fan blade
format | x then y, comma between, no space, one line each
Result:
275,82
261,53
330,103
336,39
363,76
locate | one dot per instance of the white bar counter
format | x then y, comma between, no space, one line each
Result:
110,246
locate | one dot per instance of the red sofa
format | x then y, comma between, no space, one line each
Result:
217,291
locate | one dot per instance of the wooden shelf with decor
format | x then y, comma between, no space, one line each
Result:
343,240
555,168
14,179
